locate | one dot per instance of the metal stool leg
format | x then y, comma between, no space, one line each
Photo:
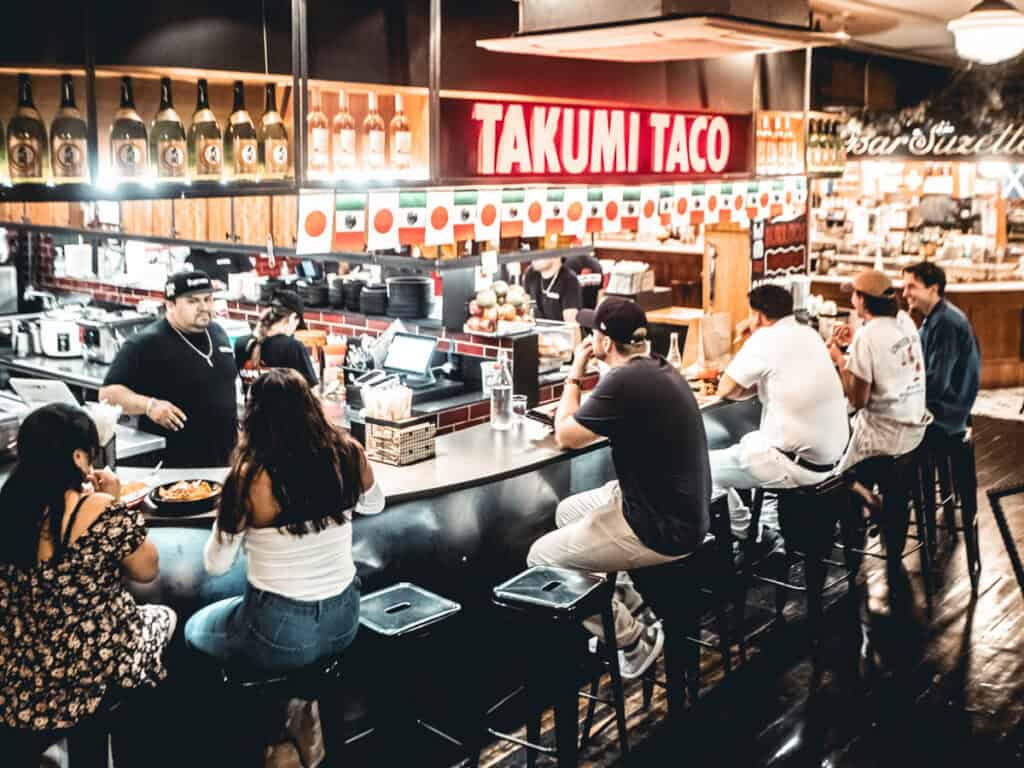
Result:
994,497
920,524
588,721
675,667
618,695
965,480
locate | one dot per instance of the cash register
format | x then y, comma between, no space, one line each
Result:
408,360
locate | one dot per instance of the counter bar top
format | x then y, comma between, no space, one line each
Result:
74,371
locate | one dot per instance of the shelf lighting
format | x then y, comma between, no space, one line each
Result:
992,31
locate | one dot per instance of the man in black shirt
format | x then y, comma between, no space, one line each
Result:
555,290
179,375
658,509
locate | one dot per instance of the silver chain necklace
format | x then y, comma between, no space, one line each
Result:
547,291
207,356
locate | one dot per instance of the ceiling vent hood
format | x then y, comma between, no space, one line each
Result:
639,31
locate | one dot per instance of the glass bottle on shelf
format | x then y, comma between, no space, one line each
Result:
319,138
832,150
128,146
400,137
205,142
674,358
779,144
840,147
343,127
26,138
373,137
168,146
273,147
501,393
764,137
68,138
241,152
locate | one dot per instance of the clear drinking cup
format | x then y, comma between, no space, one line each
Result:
519,407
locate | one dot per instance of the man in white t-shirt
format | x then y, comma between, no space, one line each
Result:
804,427
882,373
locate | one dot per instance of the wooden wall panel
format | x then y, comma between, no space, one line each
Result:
285,220
732,272
252,219
190,219
218,219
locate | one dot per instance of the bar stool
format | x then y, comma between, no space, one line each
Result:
898,479
88,742
808,517
557,600
950,481
995,498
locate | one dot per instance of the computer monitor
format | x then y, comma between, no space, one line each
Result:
411,355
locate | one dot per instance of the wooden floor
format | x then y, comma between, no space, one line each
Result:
946,689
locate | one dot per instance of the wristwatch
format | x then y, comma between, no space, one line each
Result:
574,380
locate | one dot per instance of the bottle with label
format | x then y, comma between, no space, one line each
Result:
168,147
674,358
840,146
205,142
771,148
319,138
401,137
343,128
241,146
26,138
128,146
68,143
501,393
373,137
273,147
814,145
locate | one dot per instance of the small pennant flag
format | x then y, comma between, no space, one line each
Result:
778,200
629,219
698,204
575,222
595,210
533,221
316,211
713,203
464,214
650,221
349,221
513,204
666,201
554,211
753,196
681,205
382,214
488,214
412,217
440,218
613,205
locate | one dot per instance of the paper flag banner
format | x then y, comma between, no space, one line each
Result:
666,201
681,205
629,219
316,217
440,219
512,212
612,198
594,209
650,220
575,222
464,214
753,196
349,221
554,211
382,214
533,218
412,217
712,203
697,204
488,214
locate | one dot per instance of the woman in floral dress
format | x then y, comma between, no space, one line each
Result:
70,633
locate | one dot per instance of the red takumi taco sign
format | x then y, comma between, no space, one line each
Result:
512,139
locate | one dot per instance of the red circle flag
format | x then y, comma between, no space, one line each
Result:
488,214
789,196
575,211
764,199
383,221
649,208
535,211
738,202
439,217
611,210
316,223
712,202
681,205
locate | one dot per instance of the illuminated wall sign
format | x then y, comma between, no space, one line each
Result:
777,249
941,140
501,139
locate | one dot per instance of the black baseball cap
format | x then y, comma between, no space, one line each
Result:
184,283
617,318
290,301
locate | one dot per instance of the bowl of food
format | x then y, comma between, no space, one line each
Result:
185,497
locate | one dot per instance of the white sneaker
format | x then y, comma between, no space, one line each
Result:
632,664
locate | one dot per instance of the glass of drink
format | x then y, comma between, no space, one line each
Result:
519,407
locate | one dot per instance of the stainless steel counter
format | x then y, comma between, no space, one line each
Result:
74,371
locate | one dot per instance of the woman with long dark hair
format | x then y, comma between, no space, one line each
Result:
289,498
272,343
70,631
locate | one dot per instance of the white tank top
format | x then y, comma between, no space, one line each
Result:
314,566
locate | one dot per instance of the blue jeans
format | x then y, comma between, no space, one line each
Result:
274,632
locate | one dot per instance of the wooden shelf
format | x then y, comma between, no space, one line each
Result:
42,71
221,76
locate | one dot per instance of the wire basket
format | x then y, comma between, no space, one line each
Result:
401,442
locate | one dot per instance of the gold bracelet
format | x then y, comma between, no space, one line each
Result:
574,380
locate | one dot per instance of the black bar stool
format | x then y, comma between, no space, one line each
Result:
951,483
88,742
557,600
995,498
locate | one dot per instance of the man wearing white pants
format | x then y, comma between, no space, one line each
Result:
804,428
658,509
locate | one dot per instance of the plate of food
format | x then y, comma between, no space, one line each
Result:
185,497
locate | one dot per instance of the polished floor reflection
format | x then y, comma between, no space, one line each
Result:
940,689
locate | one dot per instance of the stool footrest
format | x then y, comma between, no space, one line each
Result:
522,742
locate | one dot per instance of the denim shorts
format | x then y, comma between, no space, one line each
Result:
275,632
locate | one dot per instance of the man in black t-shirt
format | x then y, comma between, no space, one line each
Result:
658,509
178,375
555,290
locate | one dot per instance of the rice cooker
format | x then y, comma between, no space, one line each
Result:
59,335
